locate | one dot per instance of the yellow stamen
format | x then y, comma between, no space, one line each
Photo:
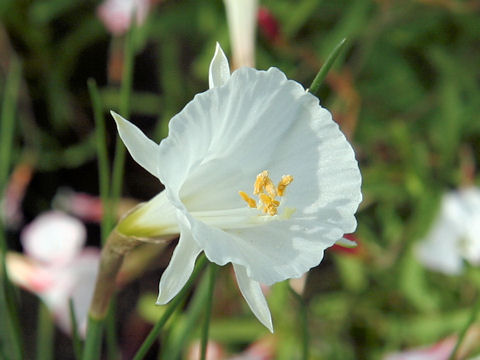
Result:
251,202
267,193
260,182
282,185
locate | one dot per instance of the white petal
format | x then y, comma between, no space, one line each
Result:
219,71
252,293
54,238
143,150
242,21
274,252
179,269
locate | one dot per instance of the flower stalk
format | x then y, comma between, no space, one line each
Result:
212,274
115,249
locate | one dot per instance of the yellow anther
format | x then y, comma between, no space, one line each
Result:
269,205
282,185
260,182
267,193
251,202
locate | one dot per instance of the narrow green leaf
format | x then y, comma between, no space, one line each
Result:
322,73
77,343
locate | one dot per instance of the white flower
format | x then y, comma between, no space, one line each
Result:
242,25
56,267
251,127
455,234
117,14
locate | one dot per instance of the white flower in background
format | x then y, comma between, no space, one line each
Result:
455,234
117,14
256,174
242,25
56,267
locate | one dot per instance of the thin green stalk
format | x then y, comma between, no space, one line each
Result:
196,307
93,341
45,333
177,300
208,311
111,332
125,94
461,336
11,335
322,73
7,121
77,344
113,253
108,210
103,162
303,315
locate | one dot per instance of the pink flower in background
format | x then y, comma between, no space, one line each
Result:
117,14
56,267
214,351
262,349
438,351
268,24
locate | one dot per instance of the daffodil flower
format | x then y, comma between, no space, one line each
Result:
256,174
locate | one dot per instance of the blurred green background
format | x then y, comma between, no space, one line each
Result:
406,91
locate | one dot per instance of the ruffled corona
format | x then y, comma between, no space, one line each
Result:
250,127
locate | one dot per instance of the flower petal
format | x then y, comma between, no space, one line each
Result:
143,150
219,71
180,267
53,238
274,252
252,293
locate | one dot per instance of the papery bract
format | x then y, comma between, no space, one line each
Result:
225,154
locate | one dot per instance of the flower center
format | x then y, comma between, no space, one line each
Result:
267,193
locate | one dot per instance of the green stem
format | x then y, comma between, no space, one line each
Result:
177,300
461,336
304,324
102,153
7,120
322,73
113,252
94,339
125,94
11,336
111,332
208,310
45,333
77,344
